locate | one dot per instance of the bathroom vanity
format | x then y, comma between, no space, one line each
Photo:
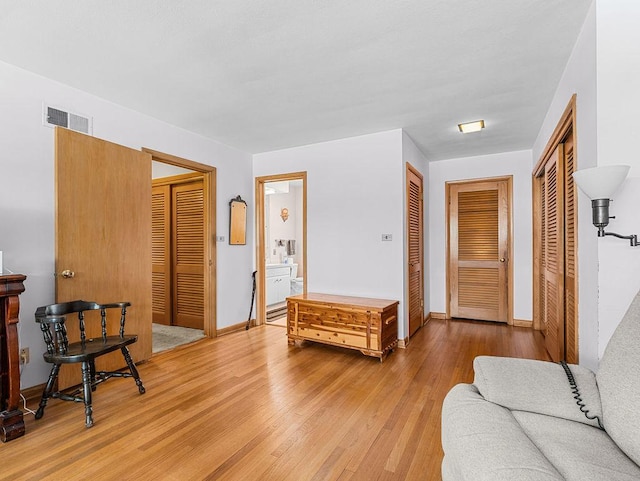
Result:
368,325
278,282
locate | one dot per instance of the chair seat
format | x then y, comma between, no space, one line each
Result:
90,349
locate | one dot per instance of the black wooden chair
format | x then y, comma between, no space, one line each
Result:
60,351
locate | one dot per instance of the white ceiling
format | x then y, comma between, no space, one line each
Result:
262,75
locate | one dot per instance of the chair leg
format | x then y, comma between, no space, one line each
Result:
132,368
92,366
86,383
48,389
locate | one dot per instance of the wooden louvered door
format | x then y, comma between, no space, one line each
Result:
161,253
415,249
178,251
188,244
479,247
555,264
570,258
553,271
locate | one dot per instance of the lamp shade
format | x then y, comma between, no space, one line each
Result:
601,182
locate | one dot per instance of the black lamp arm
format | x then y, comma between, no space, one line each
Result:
633,239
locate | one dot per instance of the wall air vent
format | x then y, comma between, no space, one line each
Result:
53,116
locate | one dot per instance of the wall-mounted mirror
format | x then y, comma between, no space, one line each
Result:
237,221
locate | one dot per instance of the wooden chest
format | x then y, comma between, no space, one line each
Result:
369,325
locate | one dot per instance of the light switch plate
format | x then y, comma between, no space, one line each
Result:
220,238
386,237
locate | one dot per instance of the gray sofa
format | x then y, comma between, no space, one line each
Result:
519,419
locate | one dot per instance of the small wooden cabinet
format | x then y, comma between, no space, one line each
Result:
369,325
11,417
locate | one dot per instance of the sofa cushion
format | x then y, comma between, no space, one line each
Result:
576,450
537,386
619,382
483,442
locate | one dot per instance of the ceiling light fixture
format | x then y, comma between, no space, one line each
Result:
468,127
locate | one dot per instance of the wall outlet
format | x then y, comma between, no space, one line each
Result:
24,355
386,237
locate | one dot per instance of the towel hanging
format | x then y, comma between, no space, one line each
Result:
291,247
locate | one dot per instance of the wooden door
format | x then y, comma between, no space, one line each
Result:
415,249
103,235
161,253
188,246
570,255
555,287
479,247
553,255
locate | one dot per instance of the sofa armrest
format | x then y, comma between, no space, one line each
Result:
483,442
537,386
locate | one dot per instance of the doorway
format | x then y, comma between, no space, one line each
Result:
184,289
281,222
479,267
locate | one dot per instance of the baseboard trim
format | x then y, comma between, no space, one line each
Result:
33,393
234,328
437,315
522,323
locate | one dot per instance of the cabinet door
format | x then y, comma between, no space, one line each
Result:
272,290
284,288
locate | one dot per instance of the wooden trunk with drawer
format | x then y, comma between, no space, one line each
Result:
369,325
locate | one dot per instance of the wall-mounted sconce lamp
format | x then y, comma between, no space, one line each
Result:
599,183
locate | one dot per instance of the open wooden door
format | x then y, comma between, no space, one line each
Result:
415,255
103,235
479,248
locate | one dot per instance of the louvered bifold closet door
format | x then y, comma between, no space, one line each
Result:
479,225
161,254
543,254
570,271
188,245
554,255
415,254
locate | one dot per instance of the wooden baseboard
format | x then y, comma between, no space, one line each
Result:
234,328
437,315
522,323
33,393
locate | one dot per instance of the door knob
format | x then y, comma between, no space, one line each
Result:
67,274
502,259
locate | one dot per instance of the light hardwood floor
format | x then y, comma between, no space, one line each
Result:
249,407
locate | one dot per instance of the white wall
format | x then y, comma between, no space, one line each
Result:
517,164
160,169
618,103
355,193
27,193
412,155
